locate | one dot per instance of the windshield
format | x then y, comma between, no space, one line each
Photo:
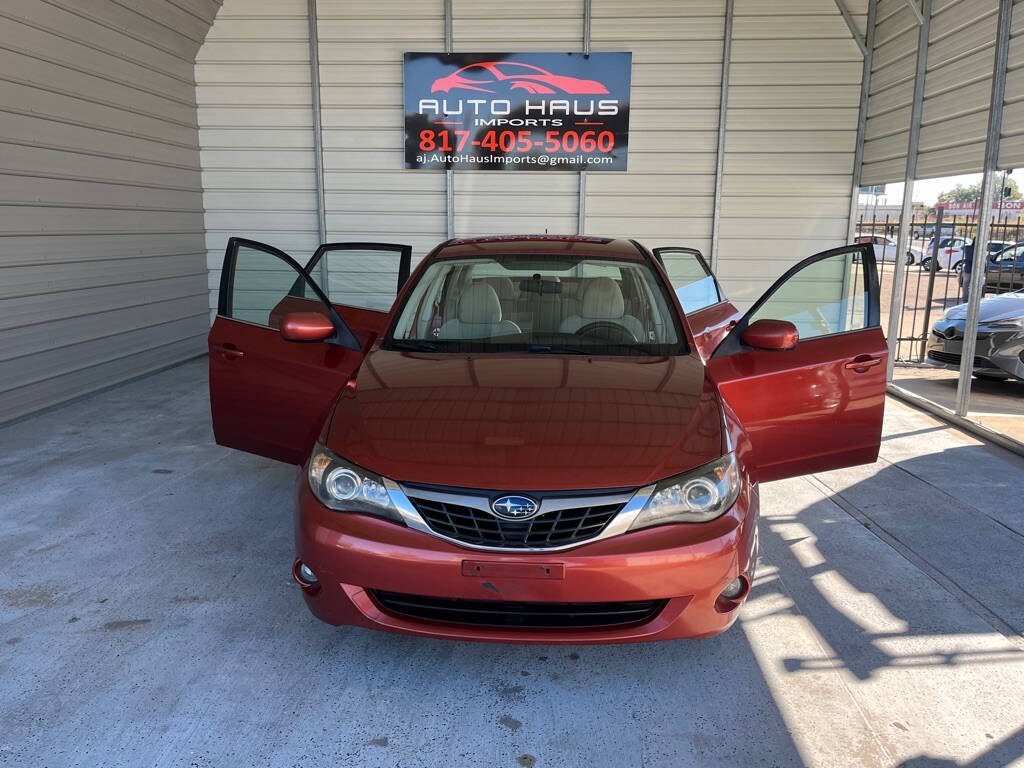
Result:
541,304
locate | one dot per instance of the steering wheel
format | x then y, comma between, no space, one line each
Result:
608,330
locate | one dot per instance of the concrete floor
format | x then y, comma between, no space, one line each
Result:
147,617
998,404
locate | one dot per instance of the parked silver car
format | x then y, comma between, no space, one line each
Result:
1000,350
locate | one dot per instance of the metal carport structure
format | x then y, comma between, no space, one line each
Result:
138,137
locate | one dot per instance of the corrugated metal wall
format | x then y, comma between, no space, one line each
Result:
957,89
792,123
369,195
256,130
665,198
667,195
1011,147
794,89
515,202
102,275
891,94
101,242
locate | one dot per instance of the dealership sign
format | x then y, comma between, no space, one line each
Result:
517,111
972,205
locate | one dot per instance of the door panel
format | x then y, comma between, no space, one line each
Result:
708,313
268,395
710,325
819,405
362,280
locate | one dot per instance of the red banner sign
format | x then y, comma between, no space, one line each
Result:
972,205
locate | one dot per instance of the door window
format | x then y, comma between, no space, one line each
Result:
1009,256
822,297
690,276
263,286
365,275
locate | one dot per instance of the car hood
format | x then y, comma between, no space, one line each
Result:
1003,307
523,422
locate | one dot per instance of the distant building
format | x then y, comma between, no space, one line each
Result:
1010,210
879,213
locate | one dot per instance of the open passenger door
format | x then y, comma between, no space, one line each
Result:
804,368
279,354
708,313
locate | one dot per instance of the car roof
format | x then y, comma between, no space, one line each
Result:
541,245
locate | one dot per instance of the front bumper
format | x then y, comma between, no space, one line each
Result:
998,353
354,555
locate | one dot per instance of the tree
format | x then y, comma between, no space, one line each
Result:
972,192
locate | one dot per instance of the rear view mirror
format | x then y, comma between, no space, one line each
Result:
537,284
776,335
306,326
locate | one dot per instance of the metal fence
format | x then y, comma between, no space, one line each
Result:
935,280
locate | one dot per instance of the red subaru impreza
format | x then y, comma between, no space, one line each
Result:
538,438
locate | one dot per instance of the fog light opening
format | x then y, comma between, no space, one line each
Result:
305,576
731,592
729,599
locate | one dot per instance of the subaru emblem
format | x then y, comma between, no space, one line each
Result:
514,507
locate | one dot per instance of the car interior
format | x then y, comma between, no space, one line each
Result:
484,299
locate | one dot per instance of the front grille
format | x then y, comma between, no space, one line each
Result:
952,358
498,613
551,529
949,358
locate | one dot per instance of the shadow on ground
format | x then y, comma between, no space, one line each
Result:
147,617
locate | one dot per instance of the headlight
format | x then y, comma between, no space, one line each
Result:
1009,324
696,496
343,486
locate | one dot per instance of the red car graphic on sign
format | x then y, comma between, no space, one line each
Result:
495,76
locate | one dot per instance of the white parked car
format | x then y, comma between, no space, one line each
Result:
943,242
885,248
951,252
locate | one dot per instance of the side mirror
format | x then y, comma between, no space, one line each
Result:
776,335
306,326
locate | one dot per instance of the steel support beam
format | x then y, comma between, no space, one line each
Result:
582,210
919,13
318,132
723,110
449,174
913,140
977,277
845,13
587,15
862,117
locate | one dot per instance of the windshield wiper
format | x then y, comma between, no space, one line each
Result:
419,345
557,349
637,347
